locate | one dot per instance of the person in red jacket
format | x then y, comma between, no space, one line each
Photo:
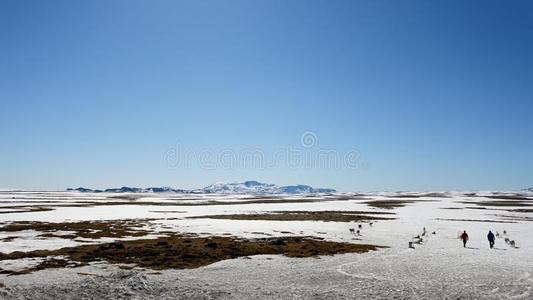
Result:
464,237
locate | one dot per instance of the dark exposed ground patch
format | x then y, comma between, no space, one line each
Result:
173,204
326,216
513,210
8,239
501,203
521,197
262,197
262,233
25,201
127,197
510,197
391,204
24,209
348,197
431,195
184,252
521,210
474,220
514,218
83,229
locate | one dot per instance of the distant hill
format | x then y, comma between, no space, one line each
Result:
83,190
126,189
246,187
304,189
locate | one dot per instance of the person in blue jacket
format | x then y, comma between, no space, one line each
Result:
490,237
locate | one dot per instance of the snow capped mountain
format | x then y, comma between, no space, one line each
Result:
247,187
303,189
164,189
255,187
126,189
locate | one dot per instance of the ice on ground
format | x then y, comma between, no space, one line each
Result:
438,267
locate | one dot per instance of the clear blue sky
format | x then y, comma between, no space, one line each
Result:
431,94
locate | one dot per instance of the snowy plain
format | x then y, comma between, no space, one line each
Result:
438,268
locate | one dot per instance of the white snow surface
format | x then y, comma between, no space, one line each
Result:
439,268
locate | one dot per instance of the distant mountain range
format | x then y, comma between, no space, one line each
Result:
126,189
255,187
247,187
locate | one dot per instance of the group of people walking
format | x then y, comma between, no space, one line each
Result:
490,237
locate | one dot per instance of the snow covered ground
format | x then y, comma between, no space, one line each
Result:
438,268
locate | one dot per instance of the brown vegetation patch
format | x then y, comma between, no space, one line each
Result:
403,196
351,197
514,218
262,197
127,200
325,216
391,204
501,203
83,229
9,238
436,195
25,201
274,201
131,197
432,195
513,210
510,197
24,209
184,252
262,233
521,210
171,204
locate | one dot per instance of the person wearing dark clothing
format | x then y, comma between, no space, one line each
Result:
464,237
490,237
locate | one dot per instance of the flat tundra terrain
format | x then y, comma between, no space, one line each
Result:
72,245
